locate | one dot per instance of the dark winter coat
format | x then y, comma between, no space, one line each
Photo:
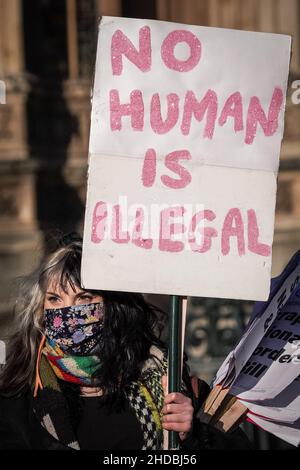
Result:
20,430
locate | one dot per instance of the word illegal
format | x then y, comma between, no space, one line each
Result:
233,227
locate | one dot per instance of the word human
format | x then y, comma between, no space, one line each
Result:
233,227
183,109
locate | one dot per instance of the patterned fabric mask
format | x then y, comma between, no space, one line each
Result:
76,330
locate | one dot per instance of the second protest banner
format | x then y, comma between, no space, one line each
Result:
262,374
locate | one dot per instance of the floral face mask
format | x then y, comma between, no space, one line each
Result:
77,330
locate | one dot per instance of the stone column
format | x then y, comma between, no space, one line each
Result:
287,227
76,92
19,236
12,115
109,7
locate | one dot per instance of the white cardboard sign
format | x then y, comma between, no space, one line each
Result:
264,368
186,128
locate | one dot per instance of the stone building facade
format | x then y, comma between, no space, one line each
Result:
47,53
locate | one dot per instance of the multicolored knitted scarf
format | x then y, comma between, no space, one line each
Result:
145,396
75,369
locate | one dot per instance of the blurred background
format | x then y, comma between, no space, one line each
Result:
47,56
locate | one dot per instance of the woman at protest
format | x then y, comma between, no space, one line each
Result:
86,369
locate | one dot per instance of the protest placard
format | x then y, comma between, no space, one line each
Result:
186,128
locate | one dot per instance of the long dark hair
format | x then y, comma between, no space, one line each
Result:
131,326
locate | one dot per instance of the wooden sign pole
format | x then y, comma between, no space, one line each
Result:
175,347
